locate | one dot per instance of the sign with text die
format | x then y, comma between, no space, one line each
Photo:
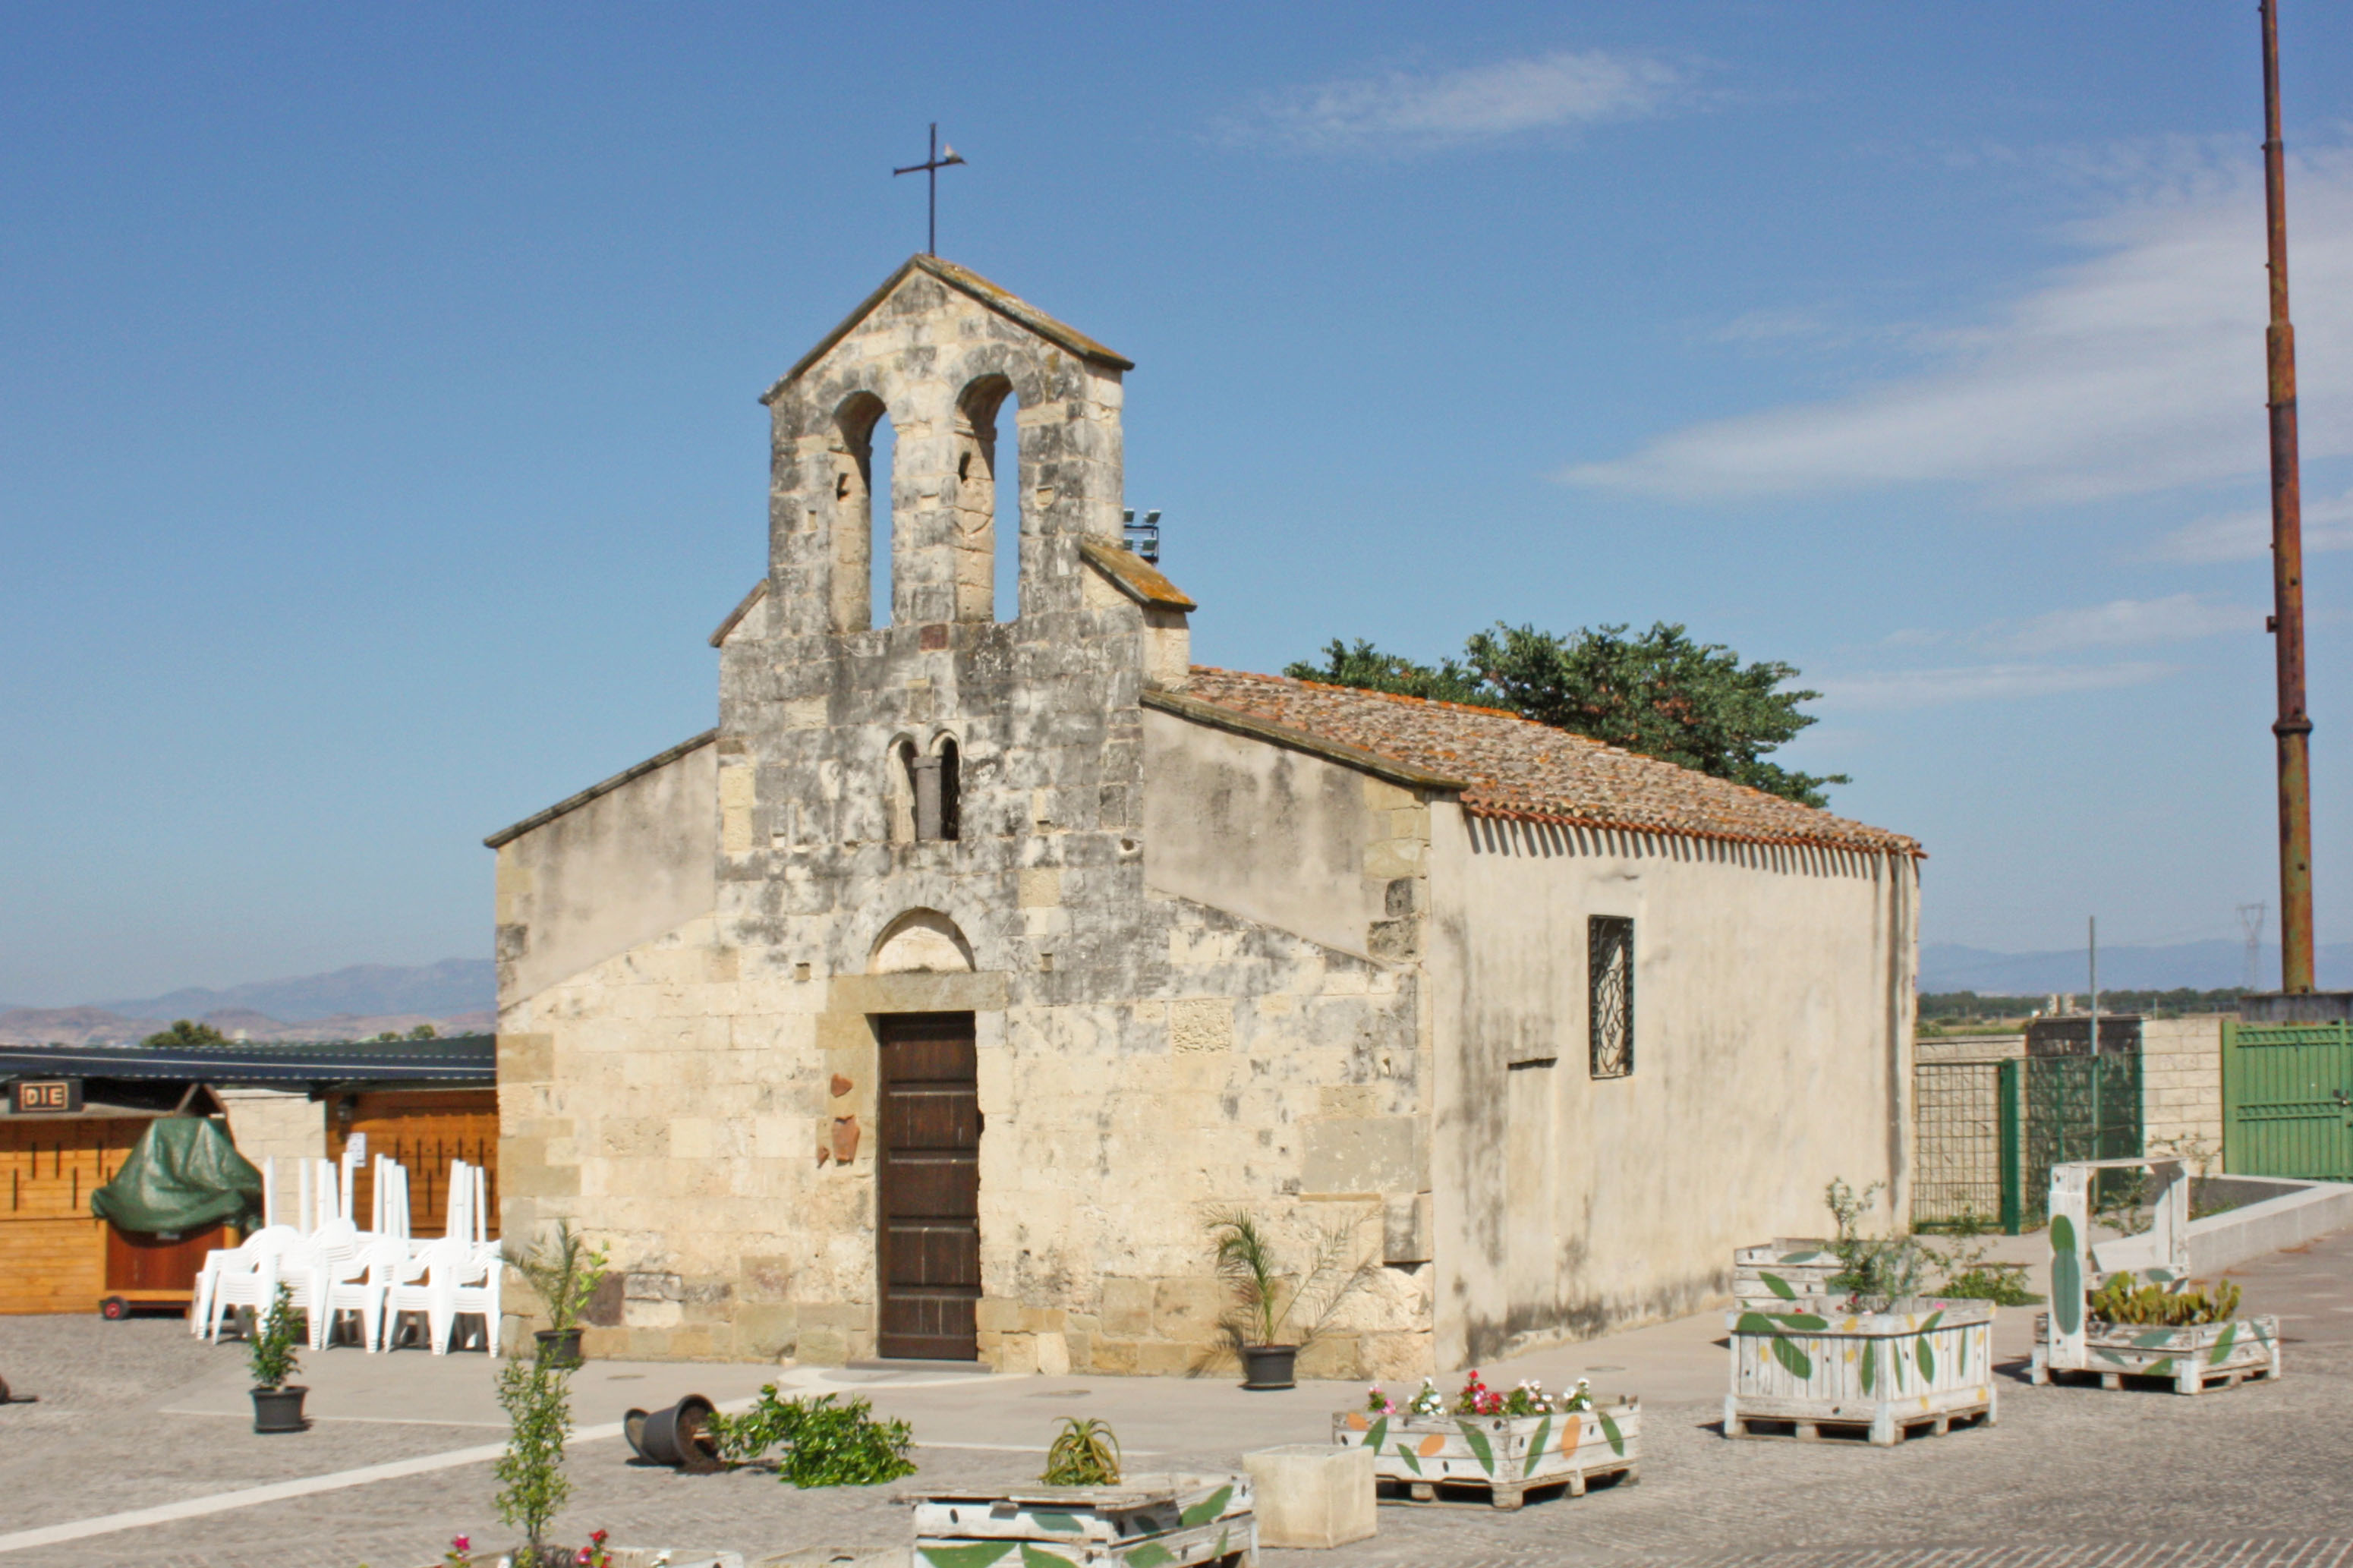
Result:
39,1096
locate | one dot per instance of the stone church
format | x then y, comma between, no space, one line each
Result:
927,1005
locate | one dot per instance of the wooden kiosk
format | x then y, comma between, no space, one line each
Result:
56,1256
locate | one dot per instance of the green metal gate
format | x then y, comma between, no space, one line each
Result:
2287,1100
2077,1108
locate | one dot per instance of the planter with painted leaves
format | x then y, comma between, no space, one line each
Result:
1789,1268
1144,1521
1505,1455
2068,1339
2196,1356
1817,1369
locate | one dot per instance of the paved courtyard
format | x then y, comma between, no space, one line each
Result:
136,1416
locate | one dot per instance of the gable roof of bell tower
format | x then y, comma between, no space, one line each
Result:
966,281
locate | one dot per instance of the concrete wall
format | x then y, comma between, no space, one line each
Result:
1773,1033
2181,1087
609,875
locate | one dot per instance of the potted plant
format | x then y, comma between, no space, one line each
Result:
273,1357
563,1271
1267,1294
1505,1443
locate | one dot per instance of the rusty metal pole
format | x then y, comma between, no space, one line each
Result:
2293,730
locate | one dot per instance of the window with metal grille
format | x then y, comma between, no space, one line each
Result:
1609,993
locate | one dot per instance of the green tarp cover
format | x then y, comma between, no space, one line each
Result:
183,1174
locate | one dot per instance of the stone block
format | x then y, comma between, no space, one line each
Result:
1127,1307
1117,1357
1187,1309
1156,1358
997,1314
526,1058
1406,1228
822,1347
1332,1358
1397,858
1312,1495
1053,1354
1201,1024
1367,1154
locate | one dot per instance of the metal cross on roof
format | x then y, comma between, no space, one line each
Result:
941,157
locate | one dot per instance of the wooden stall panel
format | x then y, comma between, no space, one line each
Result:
52,1248
54,1265
425,1131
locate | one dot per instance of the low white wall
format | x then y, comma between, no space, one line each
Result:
2301,1210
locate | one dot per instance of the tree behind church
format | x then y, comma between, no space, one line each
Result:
1658,693
184,1034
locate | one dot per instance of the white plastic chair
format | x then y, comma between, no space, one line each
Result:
359,1283
477,1292
239,1259
249,1276
427,1283
309,1267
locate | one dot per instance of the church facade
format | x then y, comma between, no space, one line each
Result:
930,1004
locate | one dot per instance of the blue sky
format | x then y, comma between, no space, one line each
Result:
378,441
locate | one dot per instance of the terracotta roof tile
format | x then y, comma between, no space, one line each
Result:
1516,767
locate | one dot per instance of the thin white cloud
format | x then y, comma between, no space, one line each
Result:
1901,689
2247,535
1400,110
2138,370
2122,623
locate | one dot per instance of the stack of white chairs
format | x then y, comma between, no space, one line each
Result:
330,1267
458,1276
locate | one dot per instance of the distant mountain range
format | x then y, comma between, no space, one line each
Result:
452,985
457,995
2200,965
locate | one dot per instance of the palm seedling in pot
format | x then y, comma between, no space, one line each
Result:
1279,1310
563,1271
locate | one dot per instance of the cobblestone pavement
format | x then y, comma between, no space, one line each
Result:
2072,1478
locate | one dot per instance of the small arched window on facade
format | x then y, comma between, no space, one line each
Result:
938,782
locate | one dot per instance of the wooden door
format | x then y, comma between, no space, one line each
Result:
929,1237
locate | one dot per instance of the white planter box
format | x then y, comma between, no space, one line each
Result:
1792,1269
1507,1456
2195,1357
1813,1365
1150,1522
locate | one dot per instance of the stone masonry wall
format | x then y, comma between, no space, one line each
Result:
2182,1086
704,1102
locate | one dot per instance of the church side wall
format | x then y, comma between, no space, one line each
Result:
1271,834
1773,1019
611,873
